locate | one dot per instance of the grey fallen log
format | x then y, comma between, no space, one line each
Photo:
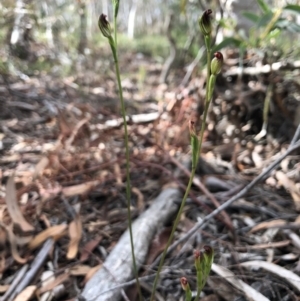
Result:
118,267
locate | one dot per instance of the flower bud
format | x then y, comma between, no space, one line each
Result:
208,254
104,26
216,63
184,283
192,128
205,22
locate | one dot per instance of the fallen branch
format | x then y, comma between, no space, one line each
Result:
34,268
262,69
118,267
217,211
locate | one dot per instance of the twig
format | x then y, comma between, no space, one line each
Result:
202,223
35,266
128,283
15,282
263,69
296,136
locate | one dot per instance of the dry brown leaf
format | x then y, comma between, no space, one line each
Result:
40,167
53,283
75,233
91,273
158,244
118,174
79,189
13,245
3,288
289,185
26,294
80,270
75,131
55,232
13,207
89,247
267,225
140,198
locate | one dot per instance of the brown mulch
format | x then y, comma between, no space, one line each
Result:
62,171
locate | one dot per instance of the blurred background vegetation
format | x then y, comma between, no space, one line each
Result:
61,36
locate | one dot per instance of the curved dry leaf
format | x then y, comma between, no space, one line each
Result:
79,189
54,232
89,247
140,198
13,207
75,233
53,283
281,272
13,246
91,273
26,294
249,292
267,225
40,167
80,270
289,185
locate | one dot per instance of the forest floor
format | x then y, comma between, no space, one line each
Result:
62,171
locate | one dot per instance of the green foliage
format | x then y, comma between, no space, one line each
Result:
263,6
268,29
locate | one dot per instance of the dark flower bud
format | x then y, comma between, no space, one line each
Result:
208,250
205,22
216,63
104,26
184,284
209,257
192,128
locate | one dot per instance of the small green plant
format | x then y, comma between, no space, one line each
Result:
106,30
203,263
214,67
204,260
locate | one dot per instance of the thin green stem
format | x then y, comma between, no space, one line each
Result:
128,182
206,107
115,32
193,172
161,262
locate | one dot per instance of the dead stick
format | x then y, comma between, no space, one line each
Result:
202,223
35,266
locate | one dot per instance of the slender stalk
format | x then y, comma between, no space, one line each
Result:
172,232
128,181
115,32
193,172
213,68
206,107
106,30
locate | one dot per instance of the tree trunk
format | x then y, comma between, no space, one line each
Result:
83,27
